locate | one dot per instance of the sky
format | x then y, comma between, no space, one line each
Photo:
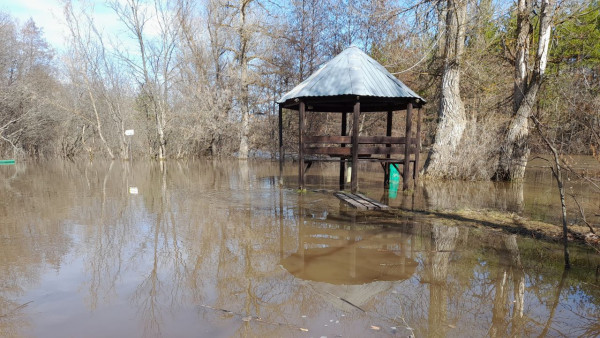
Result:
48,15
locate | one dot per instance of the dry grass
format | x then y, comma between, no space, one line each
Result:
475,159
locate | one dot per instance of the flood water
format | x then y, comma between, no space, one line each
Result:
219,249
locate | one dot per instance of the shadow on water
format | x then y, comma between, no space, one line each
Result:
216,248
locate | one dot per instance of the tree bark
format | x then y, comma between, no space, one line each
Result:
452,119
515,149
524,31
244,89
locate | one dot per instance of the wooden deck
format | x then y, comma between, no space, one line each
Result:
360,201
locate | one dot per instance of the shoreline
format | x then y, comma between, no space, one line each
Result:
515,224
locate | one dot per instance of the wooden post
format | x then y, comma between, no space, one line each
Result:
354,174
281,156
301,145
342,163
406,169
417,148
386,170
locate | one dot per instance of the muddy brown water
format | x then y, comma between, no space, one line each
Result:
219,249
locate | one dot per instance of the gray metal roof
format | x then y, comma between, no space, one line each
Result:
352,72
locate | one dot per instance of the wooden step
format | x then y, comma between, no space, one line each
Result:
360,201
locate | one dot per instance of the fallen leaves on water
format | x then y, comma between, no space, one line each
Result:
375,328
303,329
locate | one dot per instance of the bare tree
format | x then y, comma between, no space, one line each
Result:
451,119
153,67
515,149
244,36
26,83
86,64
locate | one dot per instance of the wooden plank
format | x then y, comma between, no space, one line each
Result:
362,150
350,201
388,133
366,204
332,151
355,123
342,178
417,148
378,204
382,160
381,140
407,150
382,150
301,145
328,139
280,122
333,139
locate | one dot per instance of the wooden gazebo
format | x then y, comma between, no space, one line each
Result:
353,82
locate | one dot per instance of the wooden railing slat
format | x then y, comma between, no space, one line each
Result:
361,140
362,150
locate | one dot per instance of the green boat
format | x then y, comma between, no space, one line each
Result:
5,162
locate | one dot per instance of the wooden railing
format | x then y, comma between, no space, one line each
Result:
368,145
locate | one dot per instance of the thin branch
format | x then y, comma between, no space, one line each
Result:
582,213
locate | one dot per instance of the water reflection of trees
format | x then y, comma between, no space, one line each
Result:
510,269
35,203
473,195
215,233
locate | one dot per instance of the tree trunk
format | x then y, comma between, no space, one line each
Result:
524,31
98,122
452,119
244,89
514,152
160,113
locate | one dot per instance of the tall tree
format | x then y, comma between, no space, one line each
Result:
451,115
86,65
26,85
243,59
515,148
154,64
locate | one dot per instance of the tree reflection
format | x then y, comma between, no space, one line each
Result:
221,235
509,268
473,195
33,207
443,243
555,302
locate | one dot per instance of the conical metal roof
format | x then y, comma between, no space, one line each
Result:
352,73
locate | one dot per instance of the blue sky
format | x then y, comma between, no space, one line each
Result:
48,15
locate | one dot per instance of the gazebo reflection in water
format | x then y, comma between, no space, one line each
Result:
350,263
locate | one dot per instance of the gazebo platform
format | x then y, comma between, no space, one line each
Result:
360,201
